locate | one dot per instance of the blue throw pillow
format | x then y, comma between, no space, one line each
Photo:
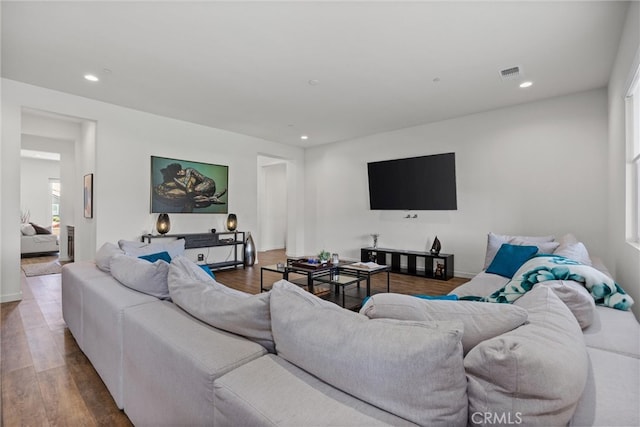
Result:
444,297
510,258
164,256
207,270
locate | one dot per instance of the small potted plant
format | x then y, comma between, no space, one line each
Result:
324,256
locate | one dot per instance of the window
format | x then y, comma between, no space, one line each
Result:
54,186
633,159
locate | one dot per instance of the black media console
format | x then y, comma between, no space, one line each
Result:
435,266
208,240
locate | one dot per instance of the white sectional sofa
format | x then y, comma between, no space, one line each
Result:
465,363
37,240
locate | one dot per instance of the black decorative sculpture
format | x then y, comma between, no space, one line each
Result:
435,248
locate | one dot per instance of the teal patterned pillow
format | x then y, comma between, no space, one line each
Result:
510,258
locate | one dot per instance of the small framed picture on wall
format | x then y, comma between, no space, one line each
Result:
88,195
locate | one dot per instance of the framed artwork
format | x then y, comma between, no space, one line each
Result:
88,195
182,186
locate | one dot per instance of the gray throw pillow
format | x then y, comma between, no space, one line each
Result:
410,369
104,255
535,373
218,305
482,320
140,275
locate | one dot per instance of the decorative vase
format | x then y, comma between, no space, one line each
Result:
435,248
163,224
232,222
249,251
375,240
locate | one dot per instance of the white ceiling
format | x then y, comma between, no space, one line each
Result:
246,66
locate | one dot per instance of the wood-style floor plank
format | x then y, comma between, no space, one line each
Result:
43,348
62,400
15,352
48,381
22,403
94,393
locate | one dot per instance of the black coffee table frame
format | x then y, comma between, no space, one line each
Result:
337,276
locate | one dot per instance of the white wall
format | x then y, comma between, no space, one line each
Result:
625,257
536,169
274,207
35,189
125,139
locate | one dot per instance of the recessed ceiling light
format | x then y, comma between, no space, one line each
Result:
526,84
314,82
91,77
304,137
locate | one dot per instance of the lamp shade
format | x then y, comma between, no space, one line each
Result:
232,222
163,224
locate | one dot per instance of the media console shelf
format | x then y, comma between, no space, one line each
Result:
208,240
435,266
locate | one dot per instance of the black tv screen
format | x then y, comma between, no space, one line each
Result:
415,183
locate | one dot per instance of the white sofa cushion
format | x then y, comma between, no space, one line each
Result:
170,364
411,369
143,276
225,308
612,392
481,320
240,402
614,330
286,395
535,373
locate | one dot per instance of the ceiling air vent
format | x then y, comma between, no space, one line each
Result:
510,73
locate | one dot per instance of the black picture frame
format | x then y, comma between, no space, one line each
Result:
88,195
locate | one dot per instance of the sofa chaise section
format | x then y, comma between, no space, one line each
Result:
271,391
171,362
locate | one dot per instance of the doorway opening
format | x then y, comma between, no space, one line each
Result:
272,203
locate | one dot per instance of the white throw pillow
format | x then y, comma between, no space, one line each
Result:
173,247
410,369
482,320
141,275
218,305
576,297
104,255
576,251
494,241
187,269
27,230
536,372
543,247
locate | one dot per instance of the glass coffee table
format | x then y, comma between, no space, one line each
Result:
342,281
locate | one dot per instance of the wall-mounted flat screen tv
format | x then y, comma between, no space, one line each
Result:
415,183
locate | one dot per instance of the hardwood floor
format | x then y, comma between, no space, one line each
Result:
47,381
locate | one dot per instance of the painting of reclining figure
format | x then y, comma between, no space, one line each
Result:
180,186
